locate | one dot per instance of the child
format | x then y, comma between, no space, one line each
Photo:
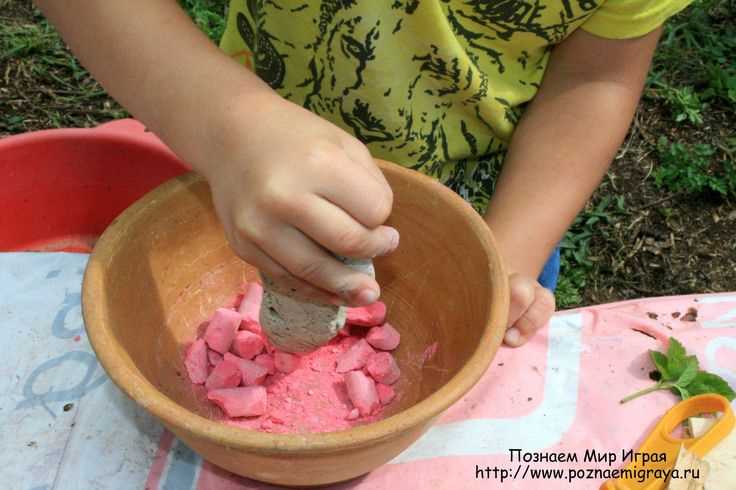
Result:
452,88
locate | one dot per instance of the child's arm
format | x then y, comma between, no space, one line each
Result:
558,154
285,182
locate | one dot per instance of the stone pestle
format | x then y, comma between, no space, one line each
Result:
295,326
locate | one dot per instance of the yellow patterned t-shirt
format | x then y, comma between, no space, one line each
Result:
434,85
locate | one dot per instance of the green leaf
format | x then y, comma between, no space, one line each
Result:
683,392
689,373
677,359
705,382
675,350
681,375
660,362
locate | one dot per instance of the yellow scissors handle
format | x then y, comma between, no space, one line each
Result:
662,449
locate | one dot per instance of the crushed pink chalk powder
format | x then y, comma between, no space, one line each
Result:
429,352
309,399
304,393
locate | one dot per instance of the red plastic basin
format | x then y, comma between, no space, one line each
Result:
61,188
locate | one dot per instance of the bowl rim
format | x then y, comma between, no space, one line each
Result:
176,417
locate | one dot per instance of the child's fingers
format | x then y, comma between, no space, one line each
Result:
530,308
522,295
338,232
285,281
358,153
534,318
352,188
308,261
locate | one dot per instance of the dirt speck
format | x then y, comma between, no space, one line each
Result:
68,407
644,333
690,316
652,315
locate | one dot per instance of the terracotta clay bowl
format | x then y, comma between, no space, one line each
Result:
163,266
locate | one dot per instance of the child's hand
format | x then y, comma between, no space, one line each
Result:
288,187
530,308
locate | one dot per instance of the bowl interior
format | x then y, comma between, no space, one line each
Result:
164,266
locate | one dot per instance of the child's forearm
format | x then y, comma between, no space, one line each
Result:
565,142
151,58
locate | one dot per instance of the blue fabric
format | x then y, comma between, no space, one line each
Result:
551,271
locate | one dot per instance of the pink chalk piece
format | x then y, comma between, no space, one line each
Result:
322,364
251,372
277,417
383,368
348,342
285,362
77,338
221,330
355,357
247,344
429,352
362,392
353,414
233,302
250,306
248,401
224,375
269,348
236,302
367,316
385,337
266,425
195,362
266,360
214,357
386,393
252,327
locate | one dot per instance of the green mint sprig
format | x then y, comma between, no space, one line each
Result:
681,374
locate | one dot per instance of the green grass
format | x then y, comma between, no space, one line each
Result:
694,64
684,103
694,169
19,41
694,73
721,83
575,260
209,15
50,88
